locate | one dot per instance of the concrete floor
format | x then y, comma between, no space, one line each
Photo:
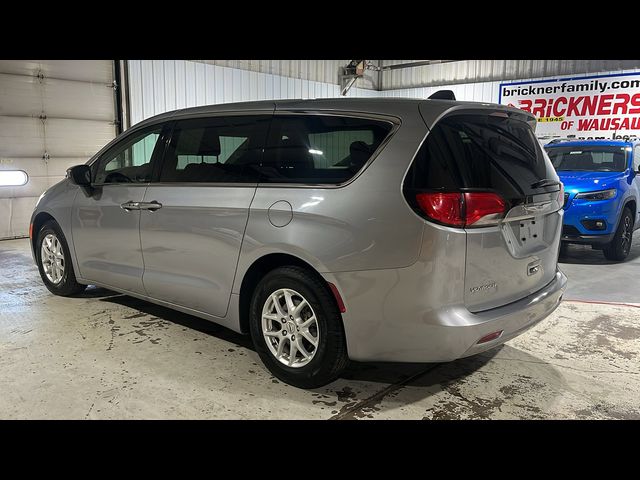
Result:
107,356
593,277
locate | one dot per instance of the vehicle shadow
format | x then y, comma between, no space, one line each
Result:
170,315
384,373
441,388
394,373
585,255
504,381
516,385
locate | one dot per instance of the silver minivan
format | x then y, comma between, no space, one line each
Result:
367,229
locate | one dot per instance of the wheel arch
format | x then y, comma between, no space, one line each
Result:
631,203
633,206
258,269
36,224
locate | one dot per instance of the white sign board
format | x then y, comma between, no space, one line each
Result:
600,106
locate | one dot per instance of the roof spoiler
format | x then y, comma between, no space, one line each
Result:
443,95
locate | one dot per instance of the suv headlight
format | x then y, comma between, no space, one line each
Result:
599,195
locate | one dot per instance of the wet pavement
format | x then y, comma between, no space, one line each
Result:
106,355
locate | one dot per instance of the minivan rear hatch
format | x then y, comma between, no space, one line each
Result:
491,176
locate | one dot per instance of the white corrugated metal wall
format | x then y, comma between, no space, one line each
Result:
468,71
476,92
325,71
53,114
157,86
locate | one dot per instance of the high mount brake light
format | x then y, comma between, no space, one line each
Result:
462,209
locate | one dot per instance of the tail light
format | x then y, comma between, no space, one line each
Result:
462,209
445,208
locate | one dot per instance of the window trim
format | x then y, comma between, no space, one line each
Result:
635,157
158,151
396,123
169,125
155,178
124,135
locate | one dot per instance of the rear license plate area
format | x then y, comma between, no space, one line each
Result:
530,231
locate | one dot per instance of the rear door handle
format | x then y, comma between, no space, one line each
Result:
153,206
128,206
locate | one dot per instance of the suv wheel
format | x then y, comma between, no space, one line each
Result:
297,329
54,261
620,246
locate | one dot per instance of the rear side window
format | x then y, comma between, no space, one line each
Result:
320,149
215,150
481,152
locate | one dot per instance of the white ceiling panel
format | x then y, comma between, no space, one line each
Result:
36,166
27,96
99,71
77,138
21,210
24,137
65,108
34,187
21,137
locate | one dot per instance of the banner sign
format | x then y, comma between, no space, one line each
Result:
601,106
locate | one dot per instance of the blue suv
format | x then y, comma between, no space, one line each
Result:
602,189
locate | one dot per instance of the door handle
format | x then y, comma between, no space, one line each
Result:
128,206
152,206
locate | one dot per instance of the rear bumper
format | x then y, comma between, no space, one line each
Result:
518,317
445,334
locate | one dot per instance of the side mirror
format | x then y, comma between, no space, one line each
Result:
80,175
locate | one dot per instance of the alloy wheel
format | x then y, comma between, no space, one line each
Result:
290,328
52,258
626,234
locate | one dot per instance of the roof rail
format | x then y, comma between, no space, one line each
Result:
443,95
560,140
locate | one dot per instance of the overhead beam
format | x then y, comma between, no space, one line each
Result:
422,63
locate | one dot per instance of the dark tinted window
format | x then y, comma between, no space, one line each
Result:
217,150
589,159
319,149
636,158
129,161
481,152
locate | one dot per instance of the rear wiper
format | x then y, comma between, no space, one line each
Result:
545,182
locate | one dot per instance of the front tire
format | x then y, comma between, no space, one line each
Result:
54,261
618,249
297,329
564,249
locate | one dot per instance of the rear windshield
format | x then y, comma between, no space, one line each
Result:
589,159
481,152
320,149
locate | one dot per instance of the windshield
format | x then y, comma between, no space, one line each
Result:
589,159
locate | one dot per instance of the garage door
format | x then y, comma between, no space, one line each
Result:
53,114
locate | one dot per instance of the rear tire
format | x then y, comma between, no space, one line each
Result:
618,249
306,310
54,261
